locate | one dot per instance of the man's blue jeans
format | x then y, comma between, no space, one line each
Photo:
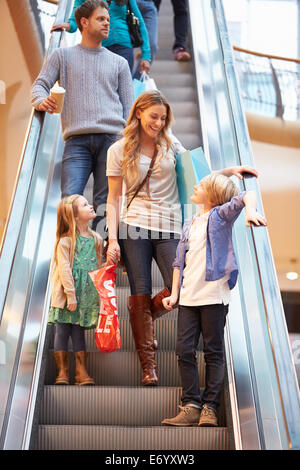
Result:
210,321
85,154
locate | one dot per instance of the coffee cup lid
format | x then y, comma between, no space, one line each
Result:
57,89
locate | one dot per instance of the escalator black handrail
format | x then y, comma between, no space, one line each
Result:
24,176
274,313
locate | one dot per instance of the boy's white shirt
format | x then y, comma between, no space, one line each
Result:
195,291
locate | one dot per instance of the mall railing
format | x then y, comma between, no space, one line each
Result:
270,85
263,388
24,265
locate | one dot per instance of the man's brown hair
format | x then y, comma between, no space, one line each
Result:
86,9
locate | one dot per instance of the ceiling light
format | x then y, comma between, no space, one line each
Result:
292,276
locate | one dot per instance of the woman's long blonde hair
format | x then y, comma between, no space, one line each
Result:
132,147
66,226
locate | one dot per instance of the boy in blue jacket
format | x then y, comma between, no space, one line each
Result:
205,270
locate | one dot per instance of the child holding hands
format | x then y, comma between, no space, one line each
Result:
205,270
75,300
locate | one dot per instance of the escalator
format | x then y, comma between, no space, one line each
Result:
260,402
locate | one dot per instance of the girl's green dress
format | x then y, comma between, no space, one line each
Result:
86,314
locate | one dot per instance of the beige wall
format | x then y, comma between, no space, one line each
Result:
14,114
279,180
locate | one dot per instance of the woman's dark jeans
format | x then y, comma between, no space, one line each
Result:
210,321
124,51
138,247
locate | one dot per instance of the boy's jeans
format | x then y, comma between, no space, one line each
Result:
85,154
210,320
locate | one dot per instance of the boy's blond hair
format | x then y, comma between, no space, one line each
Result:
219,188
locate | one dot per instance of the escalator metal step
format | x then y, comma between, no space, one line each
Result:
133,438
114,406
171,67
123,368
167,80
165,331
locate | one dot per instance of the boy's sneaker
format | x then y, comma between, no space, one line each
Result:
208,417
181,54
188,416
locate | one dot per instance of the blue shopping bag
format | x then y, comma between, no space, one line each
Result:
145,83
191,167
138,87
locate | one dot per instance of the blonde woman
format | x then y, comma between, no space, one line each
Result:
75,300
150,224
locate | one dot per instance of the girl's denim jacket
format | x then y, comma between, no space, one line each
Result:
220,257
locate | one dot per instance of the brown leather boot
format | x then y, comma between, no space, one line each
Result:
157,308
62,366
142,328
81,375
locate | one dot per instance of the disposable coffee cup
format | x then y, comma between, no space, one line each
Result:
58,92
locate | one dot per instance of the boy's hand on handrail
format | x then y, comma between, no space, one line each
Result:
253,217
240,172
251,214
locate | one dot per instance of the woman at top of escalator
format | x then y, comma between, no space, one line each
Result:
118,40
150,226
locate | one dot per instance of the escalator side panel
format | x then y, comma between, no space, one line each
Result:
266,279
228,142
24,267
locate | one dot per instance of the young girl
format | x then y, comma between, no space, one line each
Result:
75,300
205,269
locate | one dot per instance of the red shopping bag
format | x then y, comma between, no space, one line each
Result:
107,334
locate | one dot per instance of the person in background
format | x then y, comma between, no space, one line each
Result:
75,301
149,13
99,95
205,270
118,40
180,29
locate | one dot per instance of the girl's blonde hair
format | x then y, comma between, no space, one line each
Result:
132,148
218,188
66,226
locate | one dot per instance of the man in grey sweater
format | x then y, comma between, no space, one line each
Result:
99,95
